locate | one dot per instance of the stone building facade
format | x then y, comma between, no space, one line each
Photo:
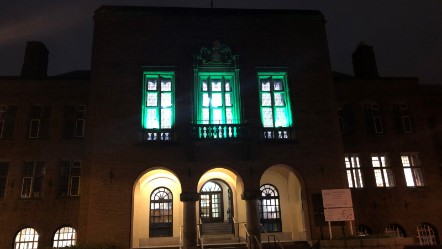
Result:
212,116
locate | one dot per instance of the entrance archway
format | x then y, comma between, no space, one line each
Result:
156,218
281,203
220,198
216,202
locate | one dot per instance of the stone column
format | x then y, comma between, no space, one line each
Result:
189,219
252,216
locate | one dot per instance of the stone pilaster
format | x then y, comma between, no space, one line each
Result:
189,219
252,216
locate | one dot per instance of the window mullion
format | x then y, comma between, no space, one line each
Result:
272,101
159,99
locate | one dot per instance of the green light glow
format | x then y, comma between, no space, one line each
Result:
217,98
158,102
274,100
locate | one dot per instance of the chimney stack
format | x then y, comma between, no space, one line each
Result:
35,63
364,62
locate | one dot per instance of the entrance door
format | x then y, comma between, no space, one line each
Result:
211,203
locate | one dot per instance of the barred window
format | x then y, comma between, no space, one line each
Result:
363,231
426,235
394,230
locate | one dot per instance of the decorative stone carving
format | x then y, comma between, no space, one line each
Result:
189,196
216,54
251,195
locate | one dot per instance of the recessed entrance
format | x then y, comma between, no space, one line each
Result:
216,203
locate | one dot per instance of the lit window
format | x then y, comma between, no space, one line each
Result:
65,237
161,213
373,118
217,98
158,103
74,121
394,230
70,178
269,209
426,235
354,175
211,206
274,104
7,121
27,238
382,171
3,175
402,118
412,170
32,186
39,121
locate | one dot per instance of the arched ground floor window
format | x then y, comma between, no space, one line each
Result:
269,209
426,235
27,238
161,213
395,230
64,237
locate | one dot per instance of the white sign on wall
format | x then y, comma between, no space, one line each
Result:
337,198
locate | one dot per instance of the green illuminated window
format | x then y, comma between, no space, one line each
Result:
158,100
274,100
217,98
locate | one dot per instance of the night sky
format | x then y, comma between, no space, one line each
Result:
406,34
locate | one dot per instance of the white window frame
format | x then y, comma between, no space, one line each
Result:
73,164
413,174
382,171
405,118
353,168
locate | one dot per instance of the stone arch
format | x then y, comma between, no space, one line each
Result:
143,186
293,201
234,181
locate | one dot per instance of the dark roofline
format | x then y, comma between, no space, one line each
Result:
104,9
73,75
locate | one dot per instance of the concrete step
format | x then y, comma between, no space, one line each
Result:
226,246
216,228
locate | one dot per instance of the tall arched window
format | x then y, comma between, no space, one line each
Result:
64,237
269,209
27,238
161,213
426,235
